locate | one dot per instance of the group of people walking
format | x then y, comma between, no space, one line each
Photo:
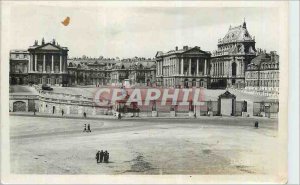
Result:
87,128
102,156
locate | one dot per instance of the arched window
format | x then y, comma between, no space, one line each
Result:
233,68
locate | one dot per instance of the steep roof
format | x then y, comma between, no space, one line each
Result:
238,33
264,57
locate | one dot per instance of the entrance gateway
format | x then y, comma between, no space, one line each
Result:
226,104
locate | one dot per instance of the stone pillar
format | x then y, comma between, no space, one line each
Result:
222,68
242,68
190,66
44,63
205,65
237,68
182,72
197,70
52,64
30,63
60,63
161,68
177,66
35,62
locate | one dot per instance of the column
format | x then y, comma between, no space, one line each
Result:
161,68
35,62
30,62
44,63
242,68
177,66
197,70
221,68
205,65
52,64
60,63
182,66
190,66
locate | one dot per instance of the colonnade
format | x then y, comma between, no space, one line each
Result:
175,66
33,67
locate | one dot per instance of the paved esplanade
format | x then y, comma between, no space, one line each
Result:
146,146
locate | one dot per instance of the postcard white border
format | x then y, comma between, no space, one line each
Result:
280,177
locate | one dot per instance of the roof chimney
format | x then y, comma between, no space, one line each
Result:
176,48
185,47
43,41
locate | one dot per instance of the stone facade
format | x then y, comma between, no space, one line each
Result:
187,67
18,69
262,74
111,72
48,63
228,63
89,71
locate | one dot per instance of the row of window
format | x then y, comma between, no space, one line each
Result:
19,56
263,75
265,83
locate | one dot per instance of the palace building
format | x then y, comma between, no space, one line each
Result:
48,63
186,67
262,74
234,53
111,72
18,67
89,71
235,64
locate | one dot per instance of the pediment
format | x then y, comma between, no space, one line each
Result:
49,47
227,94
195,51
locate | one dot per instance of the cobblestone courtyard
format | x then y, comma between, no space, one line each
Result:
143,146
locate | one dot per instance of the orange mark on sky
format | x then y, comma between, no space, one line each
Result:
66,21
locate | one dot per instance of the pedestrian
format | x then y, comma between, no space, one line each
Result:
84,129
119,116
62,112
256,124
105,156
34,111
84,114
89,128
101,156
98,156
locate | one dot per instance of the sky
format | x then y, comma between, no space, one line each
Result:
137,31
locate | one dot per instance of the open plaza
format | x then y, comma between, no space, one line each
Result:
52,143
218,145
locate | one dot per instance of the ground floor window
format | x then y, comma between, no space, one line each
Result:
40,80
57,80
